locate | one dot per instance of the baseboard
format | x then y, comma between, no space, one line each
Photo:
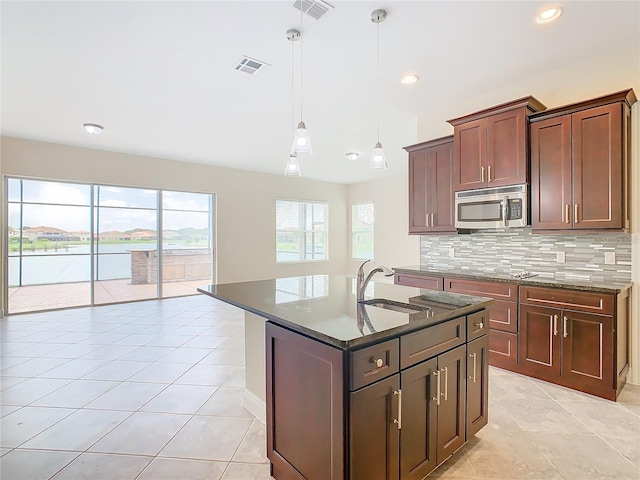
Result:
255,405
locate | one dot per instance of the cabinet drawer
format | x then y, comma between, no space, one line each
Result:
480,288
570,299
477,324
503,316
424,344
503,349
419,281
374,363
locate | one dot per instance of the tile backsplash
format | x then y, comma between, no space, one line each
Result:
514,250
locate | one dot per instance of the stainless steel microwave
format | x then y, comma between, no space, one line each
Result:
500,207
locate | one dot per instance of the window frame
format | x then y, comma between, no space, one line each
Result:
302,232
355,231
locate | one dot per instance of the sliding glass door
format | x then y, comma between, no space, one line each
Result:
73,244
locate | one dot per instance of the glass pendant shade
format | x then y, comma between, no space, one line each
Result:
301,142
293,167
378,160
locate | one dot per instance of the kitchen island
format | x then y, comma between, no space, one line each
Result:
388,386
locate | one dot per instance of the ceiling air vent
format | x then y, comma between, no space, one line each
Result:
314,8
251,65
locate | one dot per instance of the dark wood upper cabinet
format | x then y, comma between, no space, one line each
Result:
579,165
491,146
431,200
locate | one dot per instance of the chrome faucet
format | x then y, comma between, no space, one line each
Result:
362,282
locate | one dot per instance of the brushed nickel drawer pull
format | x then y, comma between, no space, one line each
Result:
378,361
398,421
479,325
426,219
565,327
489,173
446,383
473,377
437,397
555,324
567,214
482,174
432,222
575,213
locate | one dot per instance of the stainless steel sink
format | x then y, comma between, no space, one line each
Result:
395,306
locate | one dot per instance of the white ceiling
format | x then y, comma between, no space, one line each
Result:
160,77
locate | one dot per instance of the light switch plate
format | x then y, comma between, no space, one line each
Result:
609,258
560,257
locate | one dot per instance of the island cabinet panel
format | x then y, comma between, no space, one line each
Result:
305,413
579,165
477,385
374,437
431,199
420,281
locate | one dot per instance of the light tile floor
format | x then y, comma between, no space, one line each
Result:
153,390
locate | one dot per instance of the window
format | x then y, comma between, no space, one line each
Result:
301,231
362,230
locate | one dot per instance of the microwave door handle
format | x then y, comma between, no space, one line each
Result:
505,208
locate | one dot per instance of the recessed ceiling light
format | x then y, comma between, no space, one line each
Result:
93,128
353,156
549,15
408,79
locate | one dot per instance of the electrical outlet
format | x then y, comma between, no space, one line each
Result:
609,258
452,253
560,257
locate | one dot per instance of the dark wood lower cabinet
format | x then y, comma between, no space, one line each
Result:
321,424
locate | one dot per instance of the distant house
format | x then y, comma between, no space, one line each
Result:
82,235
48,233
114,235
144,235
14,232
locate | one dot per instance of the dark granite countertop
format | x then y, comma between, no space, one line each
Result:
540,280
324,307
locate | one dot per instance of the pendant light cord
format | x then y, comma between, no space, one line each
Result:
293,88
301,71
378,77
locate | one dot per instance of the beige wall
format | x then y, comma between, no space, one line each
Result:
245,208
393,246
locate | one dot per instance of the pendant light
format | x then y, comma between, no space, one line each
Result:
378,160
293,167
301,142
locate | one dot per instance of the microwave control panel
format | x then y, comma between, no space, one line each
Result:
515,209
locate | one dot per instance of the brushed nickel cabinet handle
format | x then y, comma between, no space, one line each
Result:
426,219
437,397
378,361
567,214
398,421
575,213
489,173
432,222
479,325
481,174
473,377
446,383
564,328
555,324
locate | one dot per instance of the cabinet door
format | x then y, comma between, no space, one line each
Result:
503,349
441,202
539,341
305,406
551,200
470,155
597,167
477,384
419,413
587,351
418,180
374,437
507,148
451,411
